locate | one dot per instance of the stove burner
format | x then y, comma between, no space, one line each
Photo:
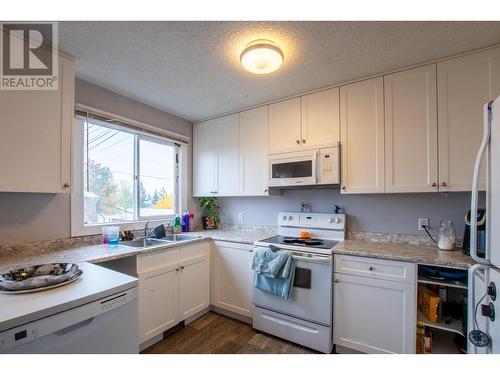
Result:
303,241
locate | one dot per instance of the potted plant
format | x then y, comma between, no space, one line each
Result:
211,217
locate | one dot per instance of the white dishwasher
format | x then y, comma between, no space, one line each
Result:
96,314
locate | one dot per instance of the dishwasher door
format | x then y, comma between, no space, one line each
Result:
107,326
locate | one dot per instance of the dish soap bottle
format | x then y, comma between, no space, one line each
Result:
186,217
177,227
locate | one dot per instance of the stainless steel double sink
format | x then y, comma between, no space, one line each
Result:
147,242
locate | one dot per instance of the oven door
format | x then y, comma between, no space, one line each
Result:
295,168
311,295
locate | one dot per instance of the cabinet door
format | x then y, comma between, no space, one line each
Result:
253,151
203,159
362,136
158,302
465,84
194,286
232,278
36,136
227,155
284,126
411,131
320,118
374,316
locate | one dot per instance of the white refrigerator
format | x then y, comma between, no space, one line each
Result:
484,277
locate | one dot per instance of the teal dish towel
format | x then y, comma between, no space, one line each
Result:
274,270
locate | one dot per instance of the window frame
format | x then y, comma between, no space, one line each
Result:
78,227
137,176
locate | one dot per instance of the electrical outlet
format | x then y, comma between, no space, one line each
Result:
241,217
423,221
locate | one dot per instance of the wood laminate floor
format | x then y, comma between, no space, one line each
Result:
217,334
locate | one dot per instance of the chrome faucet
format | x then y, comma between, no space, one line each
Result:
146,230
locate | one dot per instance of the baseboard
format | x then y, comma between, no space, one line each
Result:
150,342
230,314
343,350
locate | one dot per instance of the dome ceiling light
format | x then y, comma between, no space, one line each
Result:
261,57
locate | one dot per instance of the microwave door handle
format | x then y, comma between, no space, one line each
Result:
475,188
316,169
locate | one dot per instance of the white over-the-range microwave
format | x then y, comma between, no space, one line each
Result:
312,167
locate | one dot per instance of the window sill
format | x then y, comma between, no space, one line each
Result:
91,229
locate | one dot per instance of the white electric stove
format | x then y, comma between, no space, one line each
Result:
306,317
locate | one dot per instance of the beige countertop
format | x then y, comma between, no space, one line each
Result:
100,253
403,252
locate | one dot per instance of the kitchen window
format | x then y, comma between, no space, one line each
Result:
122,176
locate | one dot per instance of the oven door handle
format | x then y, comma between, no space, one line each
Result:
314,258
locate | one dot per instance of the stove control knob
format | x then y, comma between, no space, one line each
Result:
283,218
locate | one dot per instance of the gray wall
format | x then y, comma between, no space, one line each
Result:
387,213
33,217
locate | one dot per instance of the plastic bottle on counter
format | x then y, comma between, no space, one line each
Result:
177,226
186,217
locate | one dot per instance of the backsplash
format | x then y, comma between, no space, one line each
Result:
377,213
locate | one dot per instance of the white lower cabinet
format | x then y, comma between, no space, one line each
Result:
232,277
374,314
158,302
194,289
173,286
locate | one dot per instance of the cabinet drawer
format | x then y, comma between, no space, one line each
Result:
157,259
195,250
375,268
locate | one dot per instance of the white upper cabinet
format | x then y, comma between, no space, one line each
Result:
216,157
320,118
204,159
36,136
284,126
362,136
227,154
253,151
465,84
411,130
310,121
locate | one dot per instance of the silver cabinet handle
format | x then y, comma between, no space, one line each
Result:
343,187
443,183
182,267
336,281
177,268
298,141
434,184
303,140
65,185
371,268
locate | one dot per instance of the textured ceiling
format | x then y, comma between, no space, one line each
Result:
192,68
